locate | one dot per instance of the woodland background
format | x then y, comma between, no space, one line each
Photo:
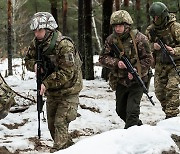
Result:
85,21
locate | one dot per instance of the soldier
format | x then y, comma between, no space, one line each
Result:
63,79
6,98
166,82
134,45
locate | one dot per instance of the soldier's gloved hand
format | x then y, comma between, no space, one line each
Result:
121,65
43,89
156,46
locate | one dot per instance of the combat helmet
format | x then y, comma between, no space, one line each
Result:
159,9
43,20
119,17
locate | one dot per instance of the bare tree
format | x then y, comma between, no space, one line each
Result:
147,12
126,3
138,4
96,33
9,45
64,16
117,4
54,11
81,47
106,14
89,66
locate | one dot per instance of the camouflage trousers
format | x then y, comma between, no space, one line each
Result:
167,90
6,98
128,104
60,112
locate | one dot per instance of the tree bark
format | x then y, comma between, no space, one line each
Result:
147,12
89,66
54,11
138,17
106,14
65,7
81,45
96,34
9,46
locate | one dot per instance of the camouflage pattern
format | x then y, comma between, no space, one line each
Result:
6,98
110,59
128,92
120,17
64,81
166,79
43,20
61,112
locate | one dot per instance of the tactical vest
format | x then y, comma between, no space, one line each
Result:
128,48
50,58
168,38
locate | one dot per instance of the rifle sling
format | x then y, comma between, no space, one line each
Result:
53,42
137,57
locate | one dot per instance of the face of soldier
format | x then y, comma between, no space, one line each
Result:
39,33
157,20
119,29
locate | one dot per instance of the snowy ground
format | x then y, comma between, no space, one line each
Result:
97,129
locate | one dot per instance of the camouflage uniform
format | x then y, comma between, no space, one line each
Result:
6,98
166,78
128,92
63,84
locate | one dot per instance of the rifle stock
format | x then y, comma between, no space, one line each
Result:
131,70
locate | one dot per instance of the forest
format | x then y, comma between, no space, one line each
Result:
85,21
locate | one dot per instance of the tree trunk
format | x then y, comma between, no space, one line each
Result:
65,7
147,12
9,46
126,3
117,5
89,66
54,11
81,47
106,14
138,17
96,34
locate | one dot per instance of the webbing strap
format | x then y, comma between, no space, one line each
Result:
53,42
137,57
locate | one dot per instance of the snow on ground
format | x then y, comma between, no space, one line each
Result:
98,129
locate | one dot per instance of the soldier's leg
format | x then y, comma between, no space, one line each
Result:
51,107
172,95
133,106
160,82
66,112
121,101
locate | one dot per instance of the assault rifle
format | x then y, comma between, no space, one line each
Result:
164,51
131,70
39,77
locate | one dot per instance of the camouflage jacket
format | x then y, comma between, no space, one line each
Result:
66,77
170,35
108,58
